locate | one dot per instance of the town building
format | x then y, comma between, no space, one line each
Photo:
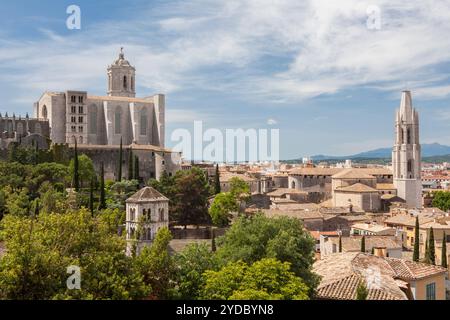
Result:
385,278
147,211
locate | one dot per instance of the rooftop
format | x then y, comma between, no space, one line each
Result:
147,194
357,188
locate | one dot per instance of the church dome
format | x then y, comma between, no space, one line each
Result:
121,61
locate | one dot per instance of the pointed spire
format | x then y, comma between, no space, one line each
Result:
406,103
27,116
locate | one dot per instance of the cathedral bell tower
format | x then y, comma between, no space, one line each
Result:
121,78
406,155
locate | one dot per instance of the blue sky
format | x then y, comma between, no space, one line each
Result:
309,68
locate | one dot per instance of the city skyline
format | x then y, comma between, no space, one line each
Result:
215,64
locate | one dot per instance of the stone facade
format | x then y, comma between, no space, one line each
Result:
147,211
25,131
105,120
406,158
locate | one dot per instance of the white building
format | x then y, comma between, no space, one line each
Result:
147,211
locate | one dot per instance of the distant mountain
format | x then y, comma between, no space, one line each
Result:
428,150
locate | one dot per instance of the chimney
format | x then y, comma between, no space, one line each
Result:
380,252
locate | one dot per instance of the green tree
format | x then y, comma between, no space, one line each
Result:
76,174
431,254
416,253
156,265
38,254
441,200
120,162
86,171
190,200
444,251
217,188
267,279
222,207
131,161
363,244
361,291
340,243
191,264
102,201
91,198
251,239
136,169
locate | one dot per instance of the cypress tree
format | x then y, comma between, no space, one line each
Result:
217,188
340,243
76,176
130,164
427,252
416,254
444,252
363,244
213,241
91,198
361,291
136,168
119,169
431,250
102,203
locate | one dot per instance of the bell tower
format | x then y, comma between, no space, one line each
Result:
406,154
121,78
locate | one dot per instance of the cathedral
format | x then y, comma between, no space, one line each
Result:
100,124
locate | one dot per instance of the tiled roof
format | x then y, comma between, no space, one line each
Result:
353,243
314,171
147,194
226,177
385,186
283,191
409,270
341,274
357,187
300,214
345,289
352,174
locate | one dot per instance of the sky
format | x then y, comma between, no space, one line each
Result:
327,74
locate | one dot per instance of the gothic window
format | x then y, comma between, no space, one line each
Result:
80,99
132,83
80,129
73,119
37,128
93,119
74,129
293,185
144,121
409,166
44,112
402,136
408,135
118,121
161,215
73,109
73,99
125,84
80,109
80,119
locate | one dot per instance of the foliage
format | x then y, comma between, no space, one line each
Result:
217,187
188,192
239,189
157,266
120,162
361,291
39,251
253,238
416,253
267,279
118,192
444,252
102,200
441,200
222,206
191,264
363,244
430,254
86,171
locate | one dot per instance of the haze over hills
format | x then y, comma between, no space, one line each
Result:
428,150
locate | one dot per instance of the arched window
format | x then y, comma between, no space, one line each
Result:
37,128
410,168
125,83
44,112
402,138
293,185
161,215
118,121
143,122
93,119
408,136
132,83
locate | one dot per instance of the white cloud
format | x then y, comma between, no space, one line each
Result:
272,122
